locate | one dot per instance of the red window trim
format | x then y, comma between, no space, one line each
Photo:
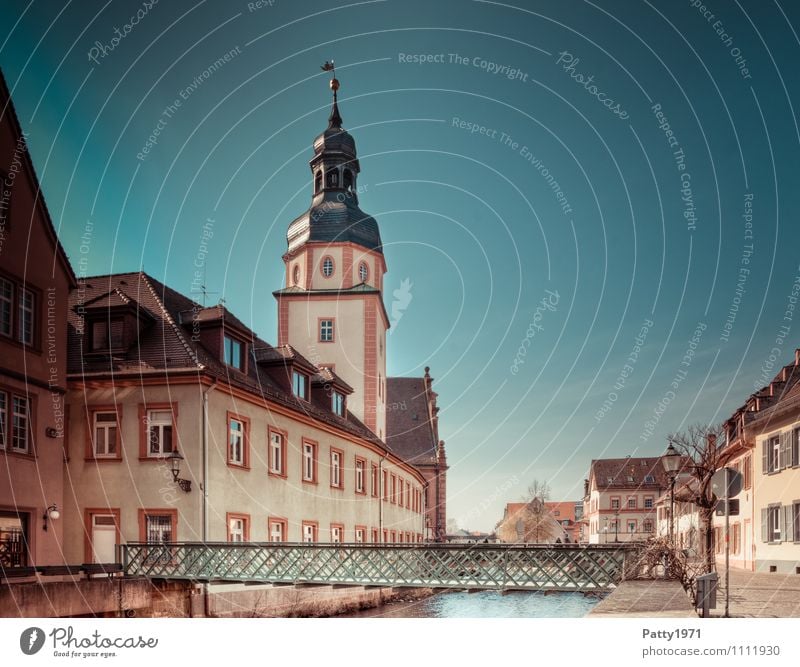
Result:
340,526
333,330
340,485
144,408
89,454
385,481
611,502
375,535
314,524
237,515
315,478
322,263
88,513
375,481
358,527
363,461
171,512
285,435
283,521
245,465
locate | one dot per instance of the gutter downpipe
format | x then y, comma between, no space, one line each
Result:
381,495
204,429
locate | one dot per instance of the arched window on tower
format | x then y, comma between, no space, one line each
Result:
318,181
332,179
348,179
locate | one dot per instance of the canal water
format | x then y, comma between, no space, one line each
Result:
486,604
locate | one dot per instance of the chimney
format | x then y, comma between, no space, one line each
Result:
797,356
711,438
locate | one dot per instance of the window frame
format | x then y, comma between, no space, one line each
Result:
284,435
340,528
242,354
10,301
632,503
338,483
618,501
375,490
363,271
91,432
244,464
331,325
364,534
278,521
314,445
314,525
361,489
237,516
145,512
334,395
29,418
300,374
774,528
327,258
144,430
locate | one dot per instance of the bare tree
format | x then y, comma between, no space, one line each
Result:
704,456
533,522
538,490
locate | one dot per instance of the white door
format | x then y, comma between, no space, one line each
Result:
104,538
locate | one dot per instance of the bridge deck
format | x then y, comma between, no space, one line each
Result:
481,566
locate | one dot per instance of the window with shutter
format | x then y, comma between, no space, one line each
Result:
783,457
788,523
764,525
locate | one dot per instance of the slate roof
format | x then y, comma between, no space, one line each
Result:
409,431
167,346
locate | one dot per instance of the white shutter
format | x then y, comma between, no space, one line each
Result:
783,458
764,525
765,456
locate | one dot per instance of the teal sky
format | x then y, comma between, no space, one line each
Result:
524,159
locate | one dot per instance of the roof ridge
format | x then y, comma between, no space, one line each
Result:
168,317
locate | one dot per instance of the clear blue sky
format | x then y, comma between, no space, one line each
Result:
571,192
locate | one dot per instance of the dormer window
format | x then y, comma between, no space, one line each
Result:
300,385
107,334
234,352
337,403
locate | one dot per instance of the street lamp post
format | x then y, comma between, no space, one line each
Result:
616,526
671,460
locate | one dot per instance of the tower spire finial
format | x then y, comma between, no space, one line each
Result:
335,119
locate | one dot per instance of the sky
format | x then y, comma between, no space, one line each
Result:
594,203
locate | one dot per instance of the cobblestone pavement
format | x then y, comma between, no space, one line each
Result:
656,598
760,595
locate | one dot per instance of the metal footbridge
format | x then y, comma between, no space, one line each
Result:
565,567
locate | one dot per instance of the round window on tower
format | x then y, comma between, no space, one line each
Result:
296,274
363,272
327,267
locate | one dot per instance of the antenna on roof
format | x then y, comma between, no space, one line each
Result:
203,289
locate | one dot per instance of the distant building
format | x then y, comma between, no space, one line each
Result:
534,522
566,513
619,504
35,279
471,537
412,425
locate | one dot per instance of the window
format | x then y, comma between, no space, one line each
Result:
159,431
14,539
296,274
337,403
157,526
310,530
277,453
326,331
648,502
747,469
649,479
393,496
772,515
238,441
385,485
363,272
107,334
647,526
106,435
309,462
336,468
772,454
374,536
318,181
632,526
337,530
361,533
277,530
26,305
327,267
238,527
332,178
234,353
360,467
615,503
400,485
796,520
6,305
632,503
795,448
299,384
20,425
374,481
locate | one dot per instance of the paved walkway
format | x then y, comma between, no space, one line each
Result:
656,598
760,595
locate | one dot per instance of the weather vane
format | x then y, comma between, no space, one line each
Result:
330,67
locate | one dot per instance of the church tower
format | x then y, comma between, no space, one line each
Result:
331,309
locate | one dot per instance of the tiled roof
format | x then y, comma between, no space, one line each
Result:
629,472
166,345
409,431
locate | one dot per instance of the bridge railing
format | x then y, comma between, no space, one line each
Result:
481,566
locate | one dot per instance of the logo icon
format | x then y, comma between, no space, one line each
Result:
31,640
